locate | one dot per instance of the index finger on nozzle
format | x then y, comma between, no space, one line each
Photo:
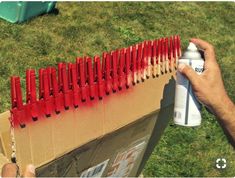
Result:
207,47
201,43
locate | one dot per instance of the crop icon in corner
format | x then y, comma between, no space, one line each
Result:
221,163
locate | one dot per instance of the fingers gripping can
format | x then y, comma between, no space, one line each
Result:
187,109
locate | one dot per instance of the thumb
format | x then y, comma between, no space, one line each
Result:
9,170
188,72
29,171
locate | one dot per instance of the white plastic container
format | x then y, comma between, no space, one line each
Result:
187,109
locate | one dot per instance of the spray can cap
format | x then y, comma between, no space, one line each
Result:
192,47
192,52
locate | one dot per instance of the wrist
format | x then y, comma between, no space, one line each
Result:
224,108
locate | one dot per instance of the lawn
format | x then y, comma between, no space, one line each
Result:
91,28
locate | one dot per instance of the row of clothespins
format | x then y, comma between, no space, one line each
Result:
89,79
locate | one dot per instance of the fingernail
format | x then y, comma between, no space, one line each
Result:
181,67
30,168
192,39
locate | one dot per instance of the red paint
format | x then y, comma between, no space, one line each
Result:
31,98
75,87
114,71
139,59
127,68
171,50
70,82
90,78
178,46
159,48
133,62
162,50
104,56
145,55
81,83
121,78
58,95
49,71
108,79
154,52
99,78
60,80
18,111
174,47
13,93
66,91
41,89
166,48
47,99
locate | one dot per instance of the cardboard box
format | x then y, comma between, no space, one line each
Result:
109,134
126,129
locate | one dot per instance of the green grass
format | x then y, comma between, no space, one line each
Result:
90,28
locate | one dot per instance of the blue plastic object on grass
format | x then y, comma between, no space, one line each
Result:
17,12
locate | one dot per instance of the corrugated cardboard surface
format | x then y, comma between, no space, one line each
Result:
146,131
72,146
97,151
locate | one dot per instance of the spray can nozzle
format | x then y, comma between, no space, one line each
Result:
192,47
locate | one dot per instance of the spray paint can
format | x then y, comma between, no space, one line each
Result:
187,109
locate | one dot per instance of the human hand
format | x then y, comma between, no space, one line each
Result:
11,170
208,87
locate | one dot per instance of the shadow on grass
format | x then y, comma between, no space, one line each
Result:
163,118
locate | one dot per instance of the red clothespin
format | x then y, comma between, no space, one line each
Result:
108,79
145,55
178,46
159,49
174,47
86,75
99,80
60,78
149,58
121,75
66,92
18,110
41,88
139,62
82,80
133,64
127,68
166,48
31,98
163,50
144,61
154,58
171,57
90,78
171,49
13,93
159,58
49,71
58,95
70,82
104,55
163,55
72,95
114,70
166,54
176,50
75,87
47,99
150,48
77,70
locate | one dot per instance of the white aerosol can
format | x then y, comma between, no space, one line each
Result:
187,109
